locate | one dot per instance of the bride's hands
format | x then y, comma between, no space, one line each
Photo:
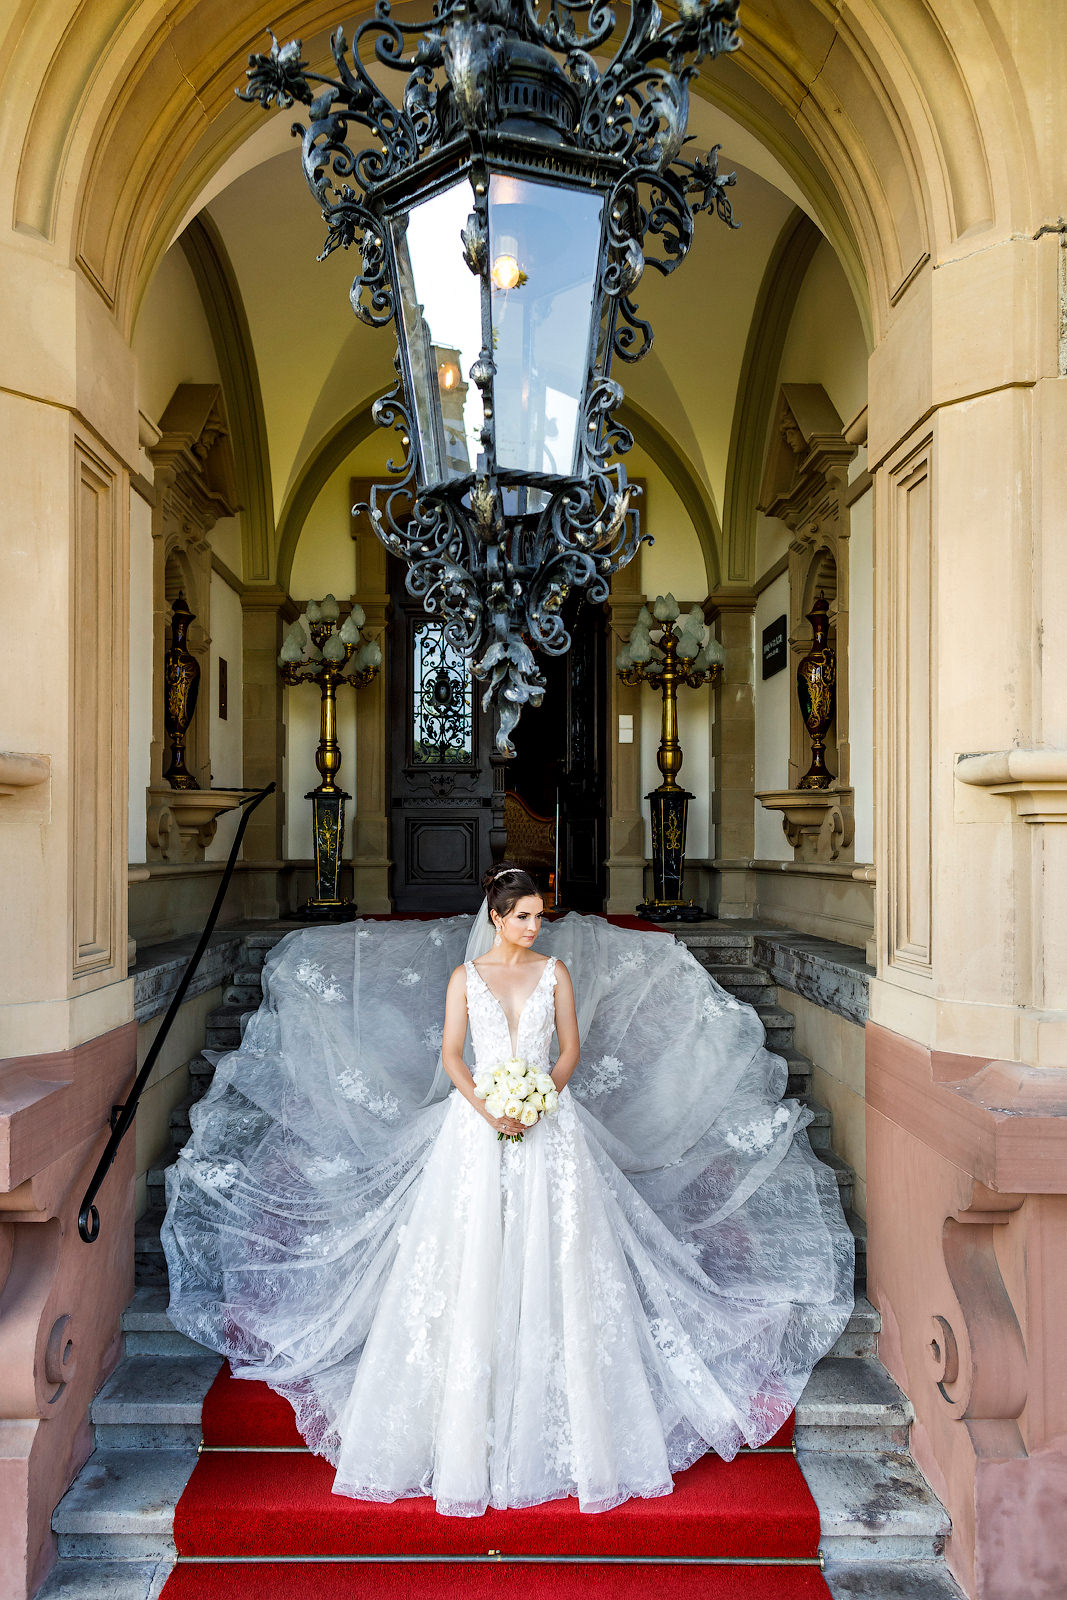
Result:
506,1125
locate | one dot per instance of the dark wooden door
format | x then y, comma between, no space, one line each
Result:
440,780
561,765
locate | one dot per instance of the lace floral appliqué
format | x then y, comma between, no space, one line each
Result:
313,977
353,1085
603,1076
757,1136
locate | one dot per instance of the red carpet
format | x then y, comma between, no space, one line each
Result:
273,1502
490,1581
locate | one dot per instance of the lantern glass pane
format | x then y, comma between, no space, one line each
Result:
440,304
544,251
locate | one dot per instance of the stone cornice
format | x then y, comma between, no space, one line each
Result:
19,770
1003,1122
1035,780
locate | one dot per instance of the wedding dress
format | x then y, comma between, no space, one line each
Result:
651,1273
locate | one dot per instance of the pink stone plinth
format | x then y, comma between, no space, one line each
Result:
60,1299
967,1223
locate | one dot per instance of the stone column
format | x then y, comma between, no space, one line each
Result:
267,610
967,1045
626,822
68,420
730,612
370,824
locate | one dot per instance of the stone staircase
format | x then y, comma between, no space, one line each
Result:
883,1531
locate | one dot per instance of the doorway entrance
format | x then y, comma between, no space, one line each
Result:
441,779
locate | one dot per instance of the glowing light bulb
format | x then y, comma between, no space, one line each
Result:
448,375
507,273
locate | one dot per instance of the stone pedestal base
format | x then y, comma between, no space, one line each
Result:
60,1299
183,822
817,822
967,1213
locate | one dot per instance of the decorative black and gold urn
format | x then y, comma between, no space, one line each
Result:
816,691
181,685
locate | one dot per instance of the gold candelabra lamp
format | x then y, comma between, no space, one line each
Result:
664,652
320,648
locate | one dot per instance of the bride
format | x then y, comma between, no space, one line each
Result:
507,1314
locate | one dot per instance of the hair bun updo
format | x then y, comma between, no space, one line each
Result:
505,885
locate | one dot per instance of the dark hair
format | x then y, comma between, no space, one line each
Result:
505,885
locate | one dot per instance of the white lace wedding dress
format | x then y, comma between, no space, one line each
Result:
650,1274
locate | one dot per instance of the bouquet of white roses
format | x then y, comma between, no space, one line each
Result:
517,1090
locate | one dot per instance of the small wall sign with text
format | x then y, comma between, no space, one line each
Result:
775,647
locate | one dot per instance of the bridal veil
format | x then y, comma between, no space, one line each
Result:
285,1206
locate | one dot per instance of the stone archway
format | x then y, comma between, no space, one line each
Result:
114,120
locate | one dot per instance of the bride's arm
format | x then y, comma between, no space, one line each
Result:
566,1028
452,1052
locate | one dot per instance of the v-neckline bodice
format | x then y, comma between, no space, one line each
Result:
513,1038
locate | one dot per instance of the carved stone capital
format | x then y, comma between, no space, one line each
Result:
808,460
818,823
183,822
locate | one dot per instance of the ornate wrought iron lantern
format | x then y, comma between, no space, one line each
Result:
529,173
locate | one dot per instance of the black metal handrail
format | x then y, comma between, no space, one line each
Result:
122,1116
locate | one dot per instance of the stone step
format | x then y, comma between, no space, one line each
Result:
107,1580
149,1262
178,1121
201,1072
748,989
225,1026
860,1338
245,995
846,1580
873,1508
120,1507
850,1406
731,973
778,1025
859,1234
153,1402
717,946
844,1174
250,977
891,1580
148,1331
820,1125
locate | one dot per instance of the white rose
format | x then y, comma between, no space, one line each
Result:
551,1102
513,1107
517,1086
536,1100
483,1084
514,1065
544,1083
529,1116
494,1104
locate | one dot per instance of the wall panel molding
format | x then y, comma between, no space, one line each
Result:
98,676
907,624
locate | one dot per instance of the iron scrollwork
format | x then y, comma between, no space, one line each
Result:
493,551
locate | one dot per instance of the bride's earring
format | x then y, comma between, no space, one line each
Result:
498,939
